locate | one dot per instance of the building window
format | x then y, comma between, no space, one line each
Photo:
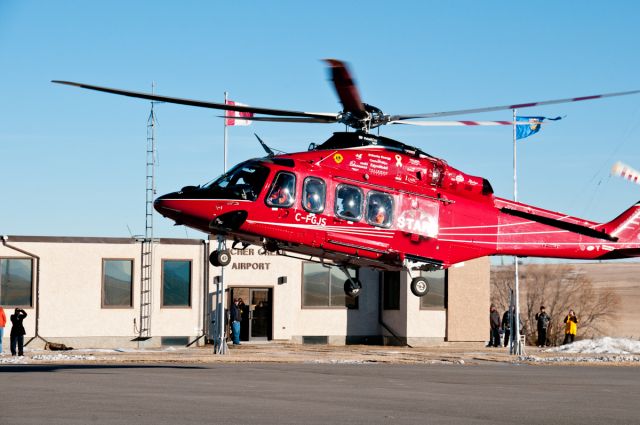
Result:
283,191
176,283
348,202
379,209
313,195
117,283
324,287
16,282
391,290
436,298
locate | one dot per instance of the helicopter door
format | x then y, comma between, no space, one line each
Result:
419,217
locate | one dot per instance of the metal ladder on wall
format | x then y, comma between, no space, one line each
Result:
146,275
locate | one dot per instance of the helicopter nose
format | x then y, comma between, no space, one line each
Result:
161,204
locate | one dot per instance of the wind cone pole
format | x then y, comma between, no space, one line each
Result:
515,347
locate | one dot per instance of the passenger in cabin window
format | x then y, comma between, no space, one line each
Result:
379,209
282,192
314,196
349,202
381,216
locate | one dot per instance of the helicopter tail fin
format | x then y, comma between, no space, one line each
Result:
626,229
626,226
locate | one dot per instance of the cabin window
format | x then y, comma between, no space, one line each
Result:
323,287
16,282
379,209
349,202
244,181
436,298
176,283
283,191
313,195
117,283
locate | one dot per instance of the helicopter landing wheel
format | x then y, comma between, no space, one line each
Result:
220,258
352,287
419,286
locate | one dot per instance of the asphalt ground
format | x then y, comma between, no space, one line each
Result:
302,393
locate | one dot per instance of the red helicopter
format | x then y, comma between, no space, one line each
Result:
361,200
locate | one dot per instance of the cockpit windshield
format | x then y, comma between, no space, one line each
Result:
244,181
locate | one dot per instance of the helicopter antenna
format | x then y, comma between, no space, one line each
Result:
266,148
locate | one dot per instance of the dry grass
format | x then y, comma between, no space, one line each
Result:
624,278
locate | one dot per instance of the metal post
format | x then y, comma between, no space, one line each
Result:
221,340
516,347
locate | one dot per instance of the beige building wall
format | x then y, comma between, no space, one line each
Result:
71,311
468,312
70,291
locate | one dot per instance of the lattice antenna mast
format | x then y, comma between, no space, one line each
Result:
146,284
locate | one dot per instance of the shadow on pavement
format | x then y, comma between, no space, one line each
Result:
55,367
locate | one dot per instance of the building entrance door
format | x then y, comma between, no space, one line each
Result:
256,324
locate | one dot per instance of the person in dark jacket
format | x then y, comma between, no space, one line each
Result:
494,322
506,326
17,331
236,318
543,320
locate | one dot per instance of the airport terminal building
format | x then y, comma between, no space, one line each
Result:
85,292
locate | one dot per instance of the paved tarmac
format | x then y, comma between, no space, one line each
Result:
302,393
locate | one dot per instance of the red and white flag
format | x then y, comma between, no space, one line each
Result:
626,172
235,117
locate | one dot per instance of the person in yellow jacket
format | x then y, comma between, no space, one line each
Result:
570,327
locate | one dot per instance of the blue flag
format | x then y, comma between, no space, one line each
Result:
534,126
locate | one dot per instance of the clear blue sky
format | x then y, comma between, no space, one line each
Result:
72,161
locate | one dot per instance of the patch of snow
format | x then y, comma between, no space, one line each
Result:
604,345
62,357
580,359
13,360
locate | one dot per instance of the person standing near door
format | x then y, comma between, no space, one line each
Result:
244,322
17,332
236,317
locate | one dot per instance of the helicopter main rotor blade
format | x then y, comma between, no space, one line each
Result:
346,88
328,120
331,117
463,123
505,107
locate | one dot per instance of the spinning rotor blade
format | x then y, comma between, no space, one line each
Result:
505,107
462,123
328,120
330,117
346,88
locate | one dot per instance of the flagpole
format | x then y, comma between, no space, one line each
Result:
225,136
221,347
515,347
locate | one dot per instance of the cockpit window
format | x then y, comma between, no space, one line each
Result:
283,190
348,202
313,195
243,181
379,209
